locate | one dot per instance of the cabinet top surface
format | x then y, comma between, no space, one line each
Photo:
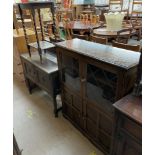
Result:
49,64
115,56
131,106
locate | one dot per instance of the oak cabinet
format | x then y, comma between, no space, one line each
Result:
93,77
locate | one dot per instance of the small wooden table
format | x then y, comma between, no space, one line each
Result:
45,75
80,26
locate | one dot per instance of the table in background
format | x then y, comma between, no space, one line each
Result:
104,32
81,26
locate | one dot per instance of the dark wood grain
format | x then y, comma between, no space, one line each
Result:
131,106
115,56
127,133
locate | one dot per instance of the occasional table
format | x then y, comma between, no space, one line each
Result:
81,26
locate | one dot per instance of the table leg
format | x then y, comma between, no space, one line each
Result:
28,85
55,106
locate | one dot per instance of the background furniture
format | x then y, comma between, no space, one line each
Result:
68,31
98,39
128,126
121,38
136,9
111,34
126,46
17,18
103,9
44,75
93,77
80,26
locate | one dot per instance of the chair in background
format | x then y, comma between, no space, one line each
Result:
123,35
137,25
136,11
126,46
99,40
68,32
79,36
117,6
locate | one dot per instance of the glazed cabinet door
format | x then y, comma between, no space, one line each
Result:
70,72
71,88
101,83
99,92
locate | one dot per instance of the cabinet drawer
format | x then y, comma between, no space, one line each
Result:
31,71
131,127
44,81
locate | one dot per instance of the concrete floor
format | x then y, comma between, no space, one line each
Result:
38,132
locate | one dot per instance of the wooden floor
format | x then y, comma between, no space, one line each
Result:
38,132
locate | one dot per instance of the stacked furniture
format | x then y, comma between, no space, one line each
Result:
93,77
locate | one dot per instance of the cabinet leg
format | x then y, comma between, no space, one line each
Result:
55,106
28,85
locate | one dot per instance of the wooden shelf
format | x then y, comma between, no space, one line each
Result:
43,45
